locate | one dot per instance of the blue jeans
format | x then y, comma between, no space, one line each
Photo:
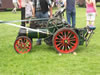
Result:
71,15
41,15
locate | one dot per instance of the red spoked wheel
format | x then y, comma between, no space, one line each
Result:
23,44
65,40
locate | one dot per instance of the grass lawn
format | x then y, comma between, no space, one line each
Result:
43,60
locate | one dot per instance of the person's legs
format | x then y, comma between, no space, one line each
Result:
93,18
15,7
68,17
42,15
38,15
91,26
92,22
88,18
23,16
45,15
73,19
87,23
14,10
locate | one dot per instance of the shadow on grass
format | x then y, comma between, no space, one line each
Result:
51,49
81,49
43,47
46,48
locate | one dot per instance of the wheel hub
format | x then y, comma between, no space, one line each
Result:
66,41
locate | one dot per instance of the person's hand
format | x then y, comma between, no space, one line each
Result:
19,6
51,16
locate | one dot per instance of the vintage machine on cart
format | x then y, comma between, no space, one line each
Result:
56,32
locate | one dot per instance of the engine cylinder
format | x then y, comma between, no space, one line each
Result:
34,34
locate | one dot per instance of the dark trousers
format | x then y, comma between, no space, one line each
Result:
41,15
23,16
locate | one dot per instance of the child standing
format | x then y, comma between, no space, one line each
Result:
28,9
91,12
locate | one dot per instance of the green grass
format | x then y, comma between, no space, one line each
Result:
43,60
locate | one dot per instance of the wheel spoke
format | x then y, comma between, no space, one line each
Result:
58,42
68,34
63,48
69,47
58,39
66,47
17,44
60,36
60,46
71,43
64,34
61,33
72,39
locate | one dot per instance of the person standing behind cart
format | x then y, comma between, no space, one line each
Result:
91,12
22,4
15,3
70,12
41,8
28,10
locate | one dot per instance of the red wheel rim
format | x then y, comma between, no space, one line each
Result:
23,45
65,41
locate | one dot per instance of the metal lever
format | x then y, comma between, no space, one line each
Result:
88,37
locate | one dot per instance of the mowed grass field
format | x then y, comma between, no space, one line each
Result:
43,60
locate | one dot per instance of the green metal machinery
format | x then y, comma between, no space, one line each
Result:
55,31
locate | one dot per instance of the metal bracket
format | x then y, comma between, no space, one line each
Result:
88,37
